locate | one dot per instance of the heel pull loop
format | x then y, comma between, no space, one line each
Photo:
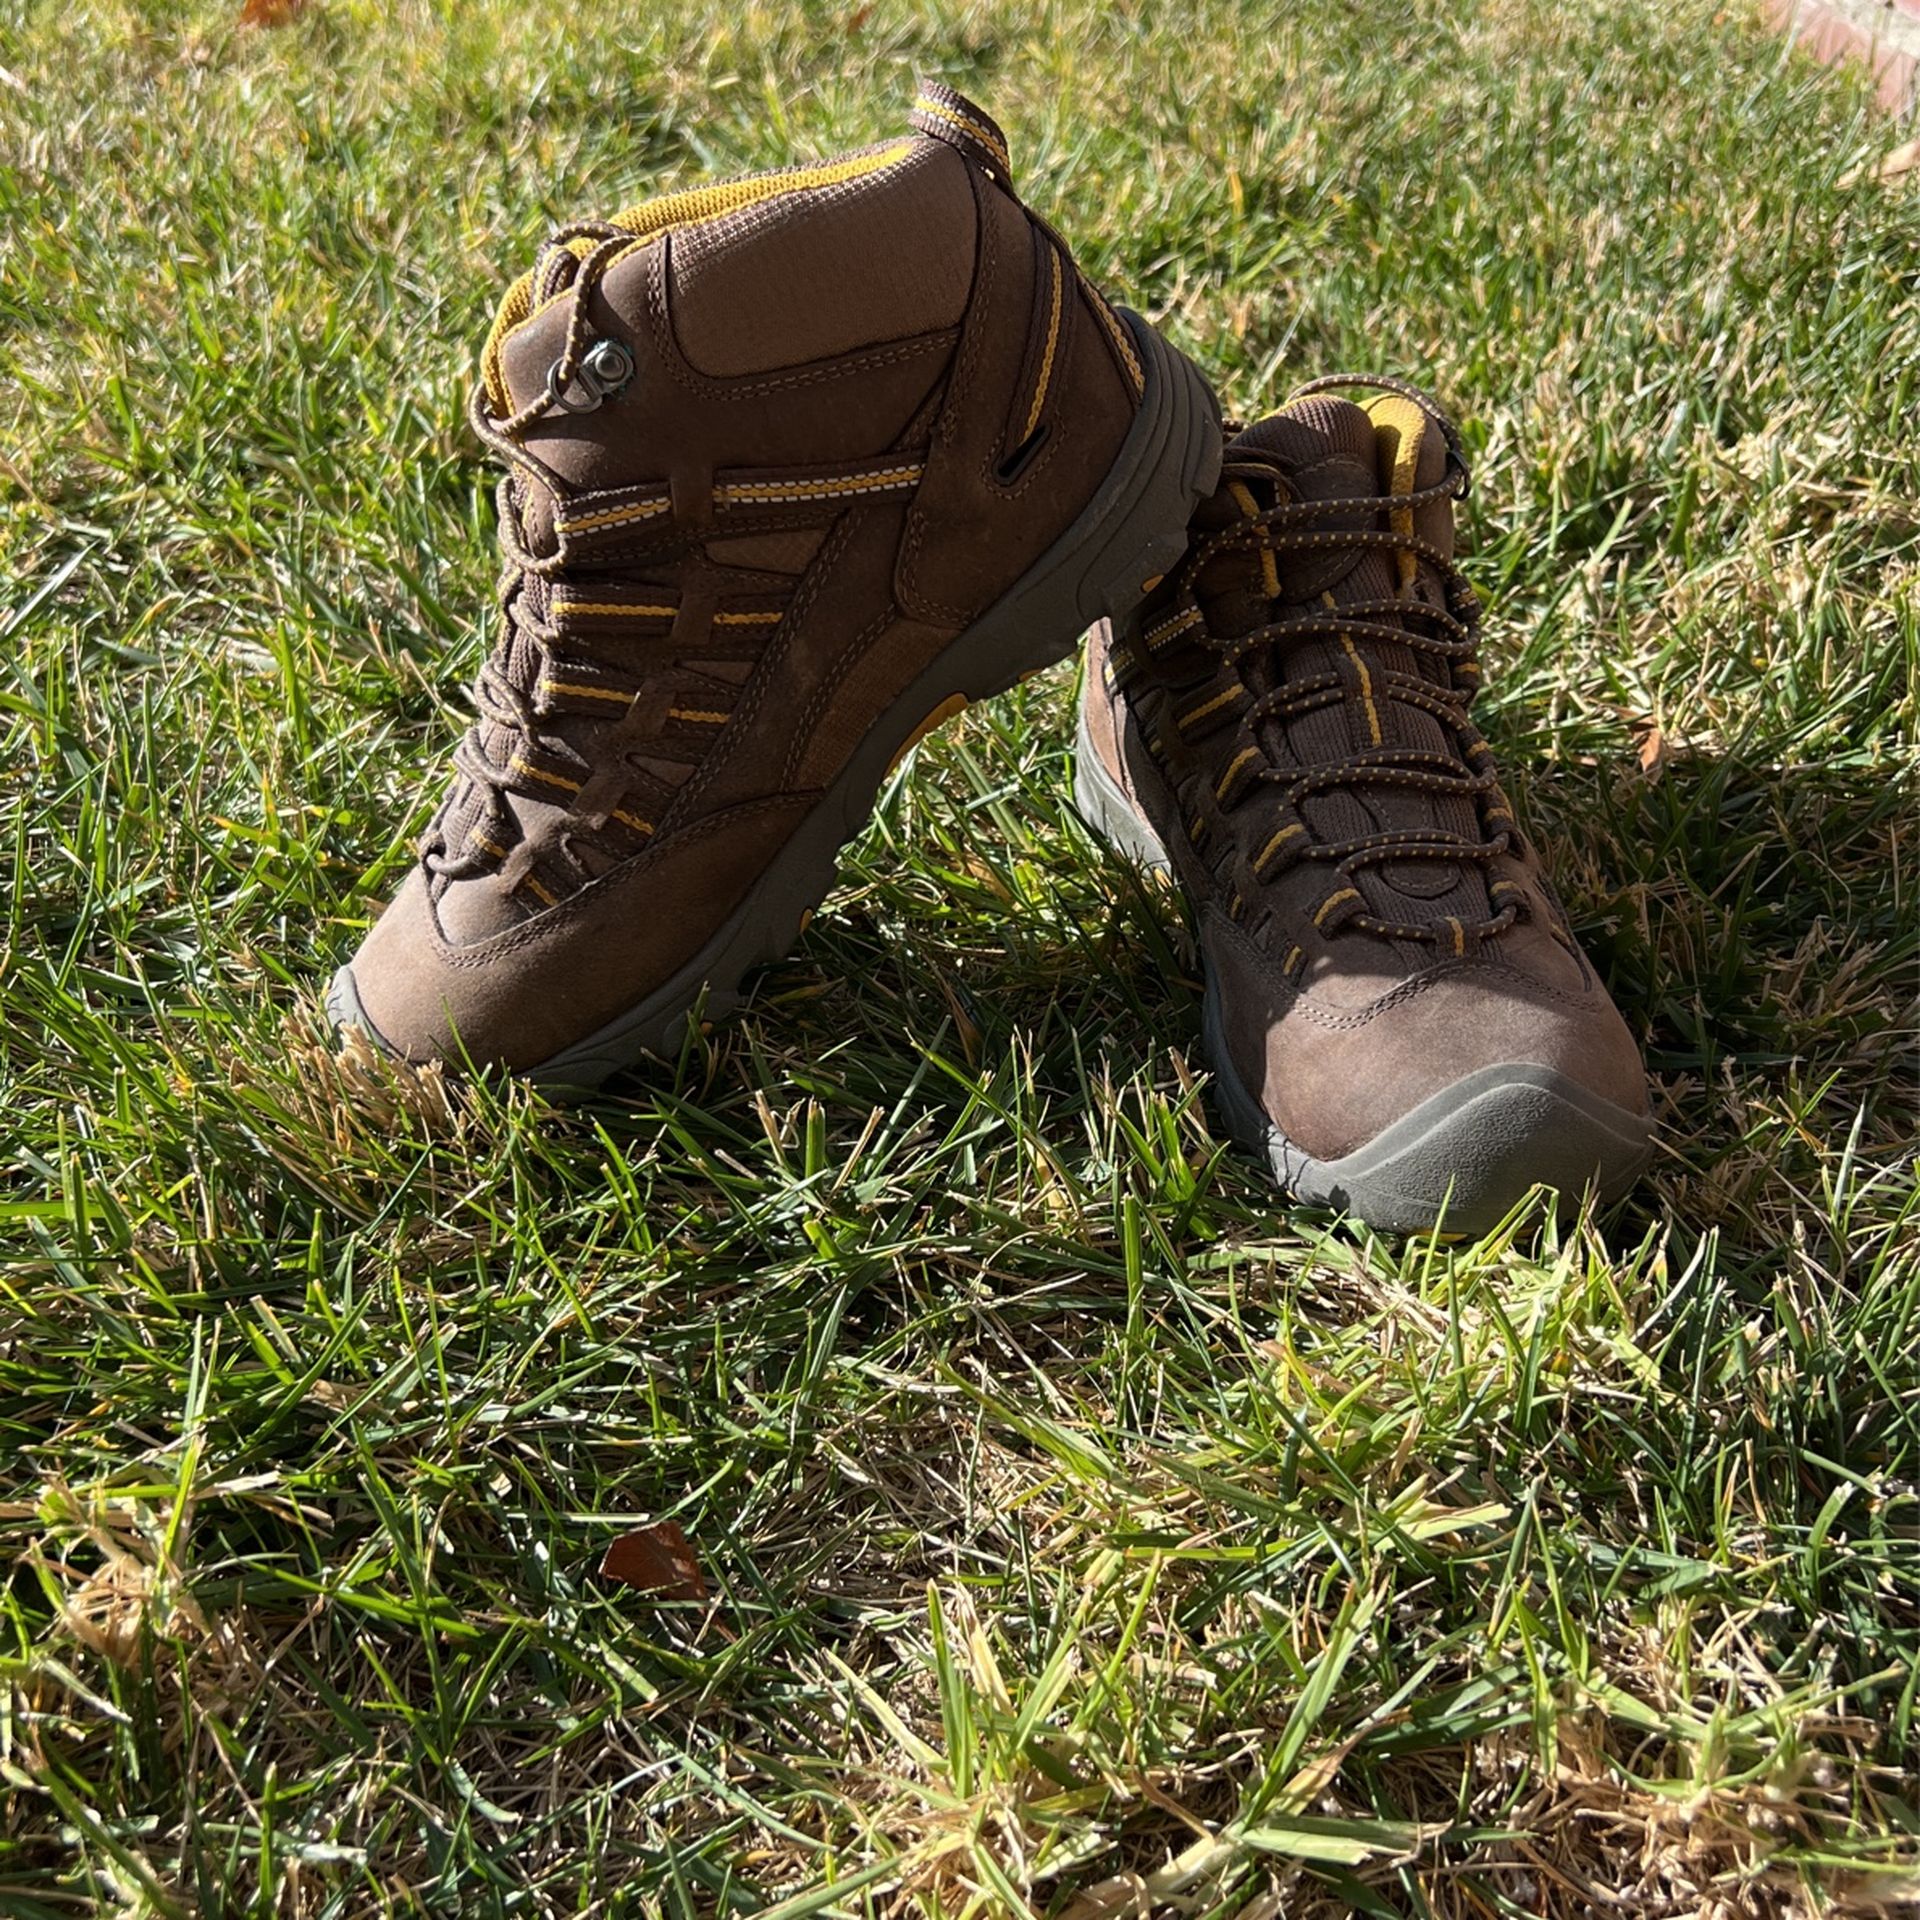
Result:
942,114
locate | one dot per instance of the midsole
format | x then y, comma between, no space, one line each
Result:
1404,1168
1105,806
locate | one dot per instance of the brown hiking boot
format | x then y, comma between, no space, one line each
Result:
1396,1012
799,466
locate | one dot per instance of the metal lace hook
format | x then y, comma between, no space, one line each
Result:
604,369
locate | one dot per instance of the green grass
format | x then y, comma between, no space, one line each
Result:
1072,1509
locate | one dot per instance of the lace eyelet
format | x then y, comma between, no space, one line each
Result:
609,363
562,397
604,370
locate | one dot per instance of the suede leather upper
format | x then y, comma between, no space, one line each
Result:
1351,991
859,409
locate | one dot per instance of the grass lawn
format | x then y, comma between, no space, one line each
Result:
1083,1530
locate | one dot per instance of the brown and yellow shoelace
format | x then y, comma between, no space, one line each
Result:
1447,631
525,660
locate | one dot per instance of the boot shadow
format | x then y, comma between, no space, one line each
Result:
1750,915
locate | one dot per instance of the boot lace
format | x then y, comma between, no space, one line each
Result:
503,696
1447,632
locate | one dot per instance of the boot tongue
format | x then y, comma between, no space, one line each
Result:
529,335
1322,449
555,268
1326,448
512,384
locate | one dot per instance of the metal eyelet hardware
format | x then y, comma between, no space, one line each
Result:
610,363
605,368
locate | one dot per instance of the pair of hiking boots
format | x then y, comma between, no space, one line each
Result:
799,466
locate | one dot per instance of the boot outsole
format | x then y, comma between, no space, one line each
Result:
1462,1158
1132,530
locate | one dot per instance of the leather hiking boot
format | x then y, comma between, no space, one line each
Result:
1396,1012
798,466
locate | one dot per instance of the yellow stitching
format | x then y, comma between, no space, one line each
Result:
585,693
518,765
1366,687
778,490
1330,902
1240,760
534,886
1117,328
485,845
612,607
829,482
1218,701
969,126
1285,834
743,619
614,515
1157,636
1292,960
1046,360
1459,936
696,713
632,820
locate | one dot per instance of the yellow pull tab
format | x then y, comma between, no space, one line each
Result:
1399,428
943,114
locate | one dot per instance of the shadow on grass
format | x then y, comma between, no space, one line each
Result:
1753,920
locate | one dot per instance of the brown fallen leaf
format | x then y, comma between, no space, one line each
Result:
1653,753
656,1559
271,13
1903,159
